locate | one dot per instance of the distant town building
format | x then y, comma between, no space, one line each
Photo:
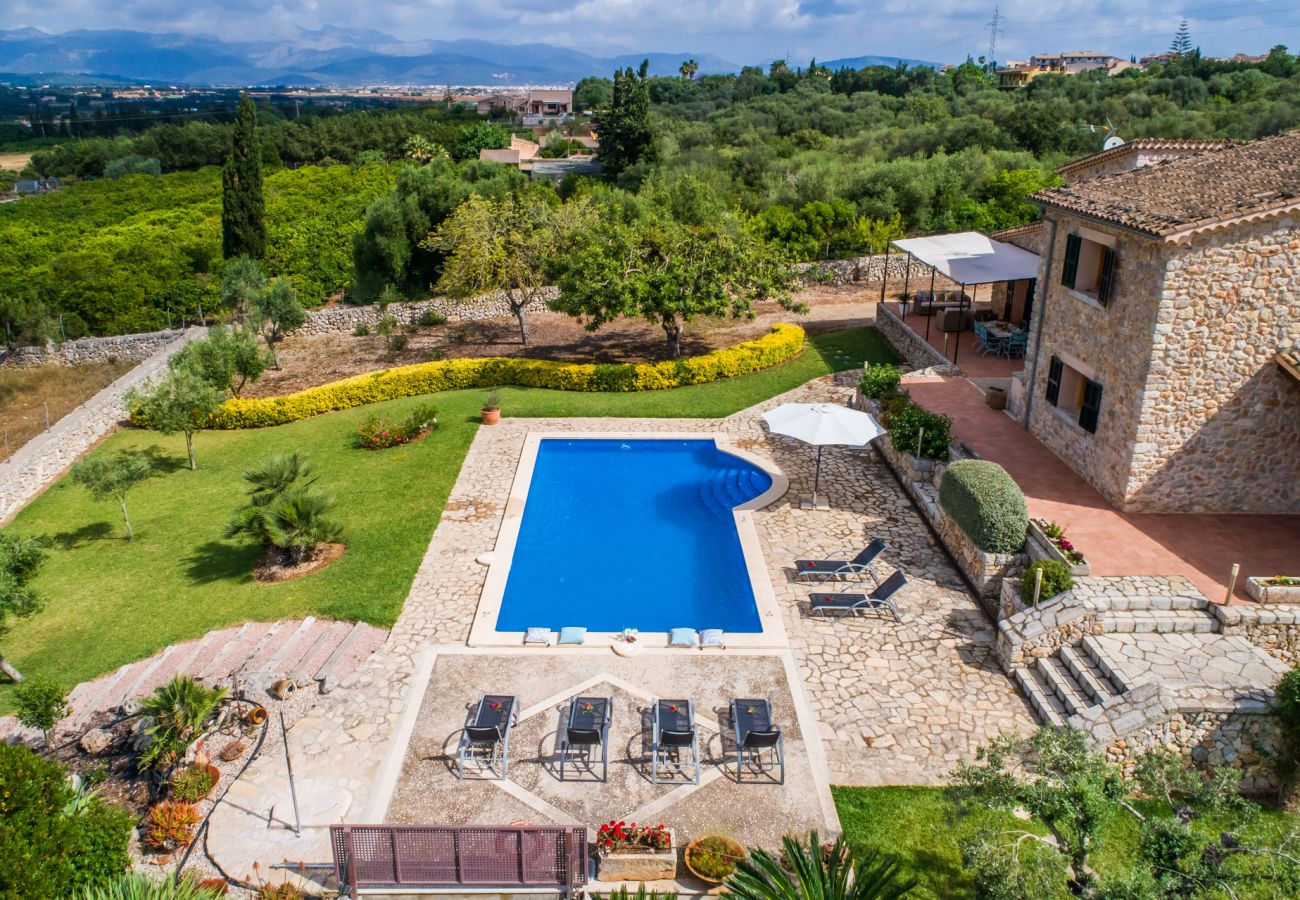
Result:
1018,73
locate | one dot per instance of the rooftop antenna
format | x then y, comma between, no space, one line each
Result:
995,28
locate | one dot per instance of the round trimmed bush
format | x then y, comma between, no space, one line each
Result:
987,503
1056,579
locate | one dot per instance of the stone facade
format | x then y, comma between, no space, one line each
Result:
89,350
1195,415
44,458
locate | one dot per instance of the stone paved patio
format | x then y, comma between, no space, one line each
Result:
1218,660
894,703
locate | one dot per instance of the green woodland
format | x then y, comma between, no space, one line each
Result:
818,163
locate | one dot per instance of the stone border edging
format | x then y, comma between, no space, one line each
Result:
42,460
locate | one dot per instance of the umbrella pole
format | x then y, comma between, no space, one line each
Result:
817,478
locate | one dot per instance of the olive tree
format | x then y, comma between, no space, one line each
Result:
112,478
228,358
275,312
20,559
183,402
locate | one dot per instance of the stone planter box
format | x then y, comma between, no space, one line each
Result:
1040,546
658,866
1257,589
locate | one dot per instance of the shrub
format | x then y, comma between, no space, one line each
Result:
50,847
398,342
783,343
41,703
431,318
193,784
911,424
177,715
880,380
142,887
1056,578
170,824
988,505
362,330
1288,704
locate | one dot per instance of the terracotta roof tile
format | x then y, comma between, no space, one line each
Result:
1139,144
1193,193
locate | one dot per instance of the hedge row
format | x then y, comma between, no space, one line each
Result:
783,343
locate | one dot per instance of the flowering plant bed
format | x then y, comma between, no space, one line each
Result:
632,852
377,433
1055,545
1274,588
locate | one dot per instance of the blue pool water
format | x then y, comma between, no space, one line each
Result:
633,534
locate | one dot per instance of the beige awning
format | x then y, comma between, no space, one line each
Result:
970,257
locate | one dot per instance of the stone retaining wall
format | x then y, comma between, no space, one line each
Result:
89,350
1273,628
911,346
43,459
870,269
1040,631
1204,725
345,319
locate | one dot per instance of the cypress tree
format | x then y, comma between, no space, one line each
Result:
243,228
624,129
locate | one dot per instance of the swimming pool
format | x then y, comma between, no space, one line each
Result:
633,533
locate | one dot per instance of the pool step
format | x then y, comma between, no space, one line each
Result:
725,489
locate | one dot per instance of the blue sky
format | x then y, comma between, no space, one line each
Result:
740,30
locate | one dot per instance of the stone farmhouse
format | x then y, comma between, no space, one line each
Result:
1170,299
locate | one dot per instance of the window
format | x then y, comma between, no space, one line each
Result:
1074,393
1089,268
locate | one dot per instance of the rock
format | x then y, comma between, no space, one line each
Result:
95,741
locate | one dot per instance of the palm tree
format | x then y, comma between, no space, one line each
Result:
688,69
815,872
175,716
296,523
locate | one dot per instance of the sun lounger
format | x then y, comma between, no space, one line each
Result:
485,742
587,730
822,569
674,733
847,602
758,740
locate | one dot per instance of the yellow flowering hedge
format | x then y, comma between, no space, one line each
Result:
784,342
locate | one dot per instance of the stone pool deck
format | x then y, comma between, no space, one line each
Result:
888,703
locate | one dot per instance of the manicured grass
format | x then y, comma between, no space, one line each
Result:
923,828
109,601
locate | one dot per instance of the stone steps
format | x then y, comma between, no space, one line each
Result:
1053,674
304,650
1160,621
1088,675
1048,707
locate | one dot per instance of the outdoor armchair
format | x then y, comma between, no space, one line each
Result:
821,569
880,598
758,740
674,734
485,742
587,730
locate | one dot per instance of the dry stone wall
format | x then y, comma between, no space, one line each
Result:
89,350
345,319
43,459
1271,627
916,352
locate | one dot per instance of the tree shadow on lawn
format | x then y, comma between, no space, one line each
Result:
219,561
71,540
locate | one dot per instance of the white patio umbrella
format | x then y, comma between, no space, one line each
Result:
823,425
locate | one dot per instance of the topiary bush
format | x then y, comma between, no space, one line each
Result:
51,846
911,425
987,503
880,380
1056,578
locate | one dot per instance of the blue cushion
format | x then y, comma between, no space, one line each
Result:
712,637
682,637
572,634
537,636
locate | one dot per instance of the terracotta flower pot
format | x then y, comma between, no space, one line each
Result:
256,715
491,416
732,849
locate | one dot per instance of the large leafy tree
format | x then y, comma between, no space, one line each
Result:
811,871
504,246
112,478
626,134
276,312
667,272
242,281
243,211
183,402
20,559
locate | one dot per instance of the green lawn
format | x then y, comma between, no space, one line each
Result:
923,828
109,601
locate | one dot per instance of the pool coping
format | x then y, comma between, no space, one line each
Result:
483,632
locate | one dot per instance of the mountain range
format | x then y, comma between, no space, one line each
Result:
328,56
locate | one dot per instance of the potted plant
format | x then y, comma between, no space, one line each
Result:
1274,589
169,826
713,857
631,852
491,409
1053,544
195,782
